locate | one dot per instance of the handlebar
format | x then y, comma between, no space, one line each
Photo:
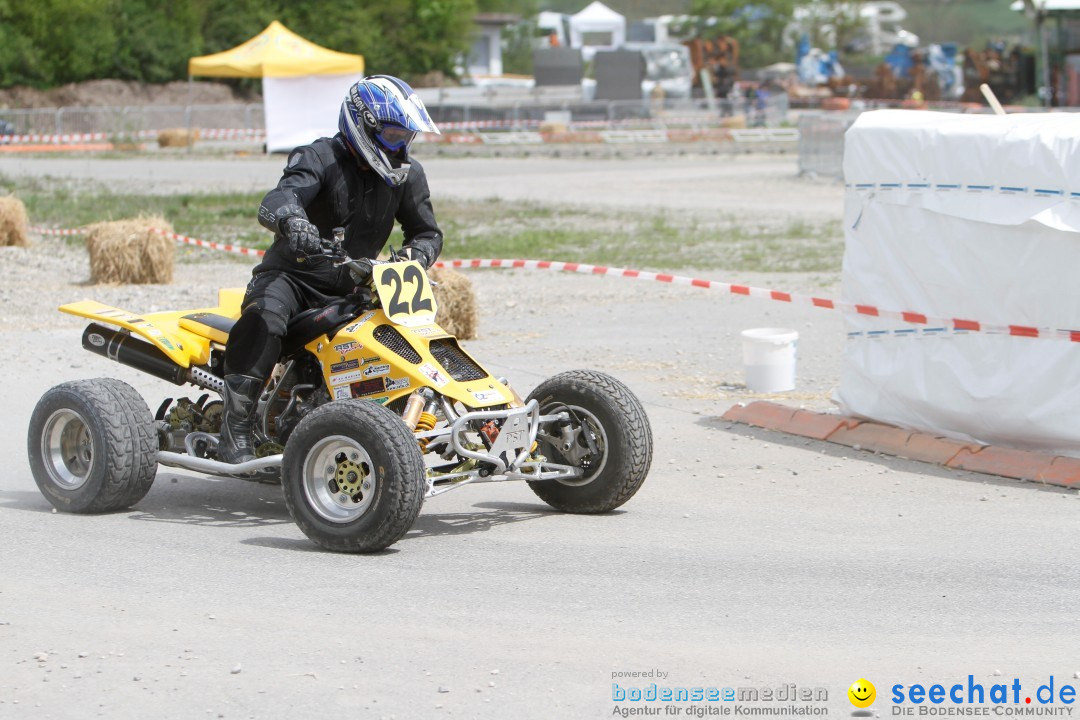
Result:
362,269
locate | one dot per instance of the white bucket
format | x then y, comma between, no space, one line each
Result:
769,359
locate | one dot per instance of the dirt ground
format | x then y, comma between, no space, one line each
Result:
748,559
123,92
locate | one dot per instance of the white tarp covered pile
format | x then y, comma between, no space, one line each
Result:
974,217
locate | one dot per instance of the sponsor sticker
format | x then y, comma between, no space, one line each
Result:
95,340
343,366
398,384
356,325
342,393
429,330
376,370
366,387
346,378
434,374
489,396
166,343
347,347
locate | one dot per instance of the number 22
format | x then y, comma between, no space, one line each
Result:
411,274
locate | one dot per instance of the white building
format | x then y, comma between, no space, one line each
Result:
485,56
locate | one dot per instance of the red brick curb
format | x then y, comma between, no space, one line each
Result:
890,440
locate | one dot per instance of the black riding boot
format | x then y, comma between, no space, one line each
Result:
241,397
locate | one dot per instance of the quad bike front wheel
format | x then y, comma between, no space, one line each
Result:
92,446
353,476
608,437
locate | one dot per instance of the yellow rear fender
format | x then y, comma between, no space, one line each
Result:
164,330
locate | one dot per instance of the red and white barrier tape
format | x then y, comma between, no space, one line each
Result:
234,249
66,138
954,324
56,231
489,124
52,139
231,134
928,322
661,122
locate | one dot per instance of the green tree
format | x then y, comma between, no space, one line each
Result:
227,23
50,42
154,41
406,38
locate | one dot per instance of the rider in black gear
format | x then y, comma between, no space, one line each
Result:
333,182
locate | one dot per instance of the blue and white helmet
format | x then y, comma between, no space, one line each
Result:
381,115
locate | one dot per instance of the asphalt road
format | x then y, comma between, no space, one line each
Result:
748,559
737,184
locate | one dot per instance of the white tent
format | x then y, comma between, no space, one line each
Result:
303,83
597,27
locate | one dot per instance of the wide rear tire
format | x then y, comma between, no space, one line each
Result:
92,446
620,431
353,476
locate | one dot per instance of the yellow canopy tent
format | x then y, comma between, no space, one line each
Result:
276,52
303,83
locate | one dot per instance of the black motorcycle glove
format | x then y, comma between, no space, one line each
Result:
361,270
303,237
414,253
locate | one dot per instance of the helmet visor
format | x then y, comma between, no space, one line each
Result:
395,137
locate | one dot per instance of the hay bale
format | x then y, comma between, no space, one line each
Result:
457,303
128,251
177,137
13,222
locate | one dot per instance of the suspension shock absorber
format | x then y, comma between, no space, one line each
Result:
419,414
426,422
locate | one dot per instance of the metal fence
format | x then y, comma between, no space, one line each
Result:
481,107
524,109
821,143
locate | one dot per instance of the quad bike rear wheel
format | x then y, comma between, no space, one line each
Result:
608,437
92,446
353,476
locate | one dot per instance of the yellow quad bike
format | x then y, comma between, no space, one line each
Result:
372,408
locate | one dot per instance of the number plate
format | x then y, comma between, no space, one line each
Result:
405,293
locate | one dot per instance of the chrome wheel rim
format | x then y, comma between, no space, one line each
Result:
339,479
589,423
67,449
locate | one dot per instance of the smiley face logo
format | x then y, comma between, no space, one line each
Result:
862,693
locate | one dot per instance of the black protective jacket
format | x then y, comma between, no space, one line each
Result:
325,183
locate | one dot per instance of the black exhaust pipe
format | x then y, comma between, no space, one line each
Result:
127,350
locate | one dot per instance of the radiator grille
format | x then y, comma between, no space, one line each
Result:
387,335
460,366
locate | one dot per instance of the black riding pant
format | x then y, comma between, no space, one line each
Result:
272,298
